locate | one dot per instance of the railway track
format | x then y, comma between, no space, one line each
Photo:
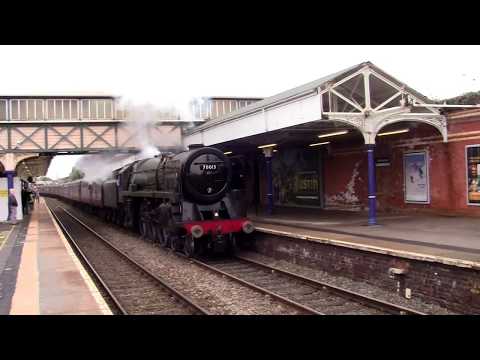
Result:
306,295
132,288
312,296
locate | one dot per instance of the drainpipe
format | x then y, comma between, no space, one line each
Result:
268,164
372,192
10,174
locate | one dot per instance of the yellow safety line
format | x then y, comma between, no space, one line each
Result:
86,277
7,236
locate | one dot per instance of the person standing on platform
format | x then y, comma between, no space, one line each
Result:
12,207
25,199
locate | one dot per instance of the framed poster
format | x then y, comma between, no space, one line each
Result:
473,174
415,168
297,177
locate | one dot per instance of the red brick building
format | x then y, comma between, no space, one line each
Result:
355,140
447,169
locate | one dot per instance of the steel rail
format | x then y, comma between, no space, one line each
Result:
352,295
158,279
249,284
89,264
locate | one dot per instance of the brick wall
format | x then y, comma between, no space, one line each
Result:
453,287
346,179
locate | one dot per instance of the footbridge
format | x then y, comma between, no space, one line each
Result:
33,129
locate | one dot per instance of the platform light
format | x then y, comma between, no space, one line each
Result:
228,153
318,144
394,132
266,146
333,134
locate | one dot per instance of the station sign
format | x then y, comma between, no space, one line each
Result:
380,162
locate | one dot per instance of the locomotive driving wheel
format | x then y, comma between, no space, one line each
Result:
164,237
232,245
155,232
174,242
189,246
143,228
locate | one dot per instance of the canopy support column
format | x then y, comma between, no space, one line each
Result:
372,192
268,167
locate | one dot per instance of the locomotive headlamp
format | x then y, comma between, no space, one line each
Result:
248,227
197,231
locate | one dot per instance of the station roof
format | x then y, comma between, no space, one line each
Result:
233,98
292,93
61,96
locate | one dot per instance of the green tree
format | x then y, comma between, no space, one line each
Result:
469,98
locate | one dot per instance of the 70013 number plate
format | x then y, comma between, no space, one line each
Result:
208,167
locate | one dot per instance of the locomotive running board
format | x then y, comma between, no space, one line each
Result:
151,194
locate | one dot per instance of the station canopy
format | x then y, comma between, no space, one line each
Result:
363,98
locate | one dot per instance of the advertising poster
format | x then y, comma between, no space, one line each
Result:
416,177
296,177
4,198
473,174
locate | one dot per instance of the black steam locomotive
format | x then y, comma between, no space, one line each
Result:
193,201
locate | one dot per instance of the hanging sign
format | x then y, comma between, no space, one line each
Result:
416,177
379,162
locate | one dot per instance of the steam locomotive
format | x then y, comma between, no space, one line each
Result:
193,201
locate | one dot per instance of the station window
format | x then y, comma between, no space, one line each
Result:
108,109
39,114
85,109
61,110
473,174
23,109
58,110
74,110
50,109
97,109
100,109
66,109
3,110
27,109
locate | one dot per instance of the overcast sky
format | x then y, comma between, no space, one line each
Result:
171,75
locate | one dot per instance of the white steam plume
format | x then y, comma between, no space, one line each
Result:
140,122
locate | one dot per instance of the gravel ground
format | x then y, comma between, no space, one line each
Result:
346,283
222,296
217,294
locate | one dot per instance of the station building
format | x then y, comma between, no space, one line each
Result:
355,140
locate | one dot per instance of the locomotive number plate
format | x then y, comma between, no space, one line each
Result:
208,167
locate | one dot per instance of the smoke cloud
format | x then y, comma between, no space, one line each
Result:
140,124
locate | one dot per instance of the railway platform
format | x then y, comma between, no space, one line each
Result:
39,272
451,240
